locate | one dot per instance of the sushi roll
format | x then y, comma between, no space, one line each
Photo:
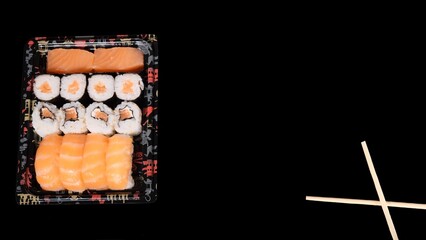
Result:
73,86
100,119
101,87
46,87
128,86
45,119
72,118
128,118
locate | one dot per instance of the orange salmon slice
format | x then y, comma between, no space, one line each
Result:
119,161
118,59
46,163
67,61
70,162
93,169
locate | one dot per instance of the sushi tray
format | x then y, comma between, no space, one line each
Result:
88,126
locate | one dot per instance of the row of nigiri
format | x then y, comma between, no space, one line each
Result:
100,87
116,59
73,117
77,162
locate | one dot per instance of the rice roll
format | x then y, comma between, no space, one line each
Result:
128,86
128,118
100,119
46,87
45,119
101,87
73,87
72,118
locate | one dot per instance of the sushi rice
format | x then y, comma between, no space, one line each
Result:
46,87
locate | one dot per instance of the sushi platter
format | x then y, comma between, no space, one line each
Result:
88,128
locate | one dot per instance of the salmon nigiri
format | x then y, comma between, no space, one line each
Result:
66,61
70,161
118,59
93,167
46,163
119,162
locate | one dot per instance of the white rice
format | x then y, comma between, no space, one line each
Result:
73,86
102,82
73,126
131,126
96,125
51,82
45,126
128,80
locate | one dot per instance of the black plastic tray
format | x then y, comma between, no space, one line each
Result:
28,191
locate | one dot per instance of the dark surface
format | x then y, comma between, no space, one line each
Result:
370,89
342,221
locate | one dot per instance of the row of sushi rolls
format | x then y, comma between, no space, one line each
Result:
86,147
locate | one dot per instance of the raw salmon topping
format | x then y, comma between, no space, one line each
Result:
46,163
66,61
118,59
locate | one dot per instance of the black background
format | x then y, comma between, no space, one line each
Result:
369,81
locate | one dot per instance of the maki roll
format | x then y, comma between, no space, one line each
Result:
72,118
128,118
128,86
46,87
73,86
45,119
101,87
100,119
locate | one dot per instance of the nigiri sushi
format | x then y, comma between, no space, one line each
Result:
119,162
46,163
118,59
93,166
66,61
70,161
